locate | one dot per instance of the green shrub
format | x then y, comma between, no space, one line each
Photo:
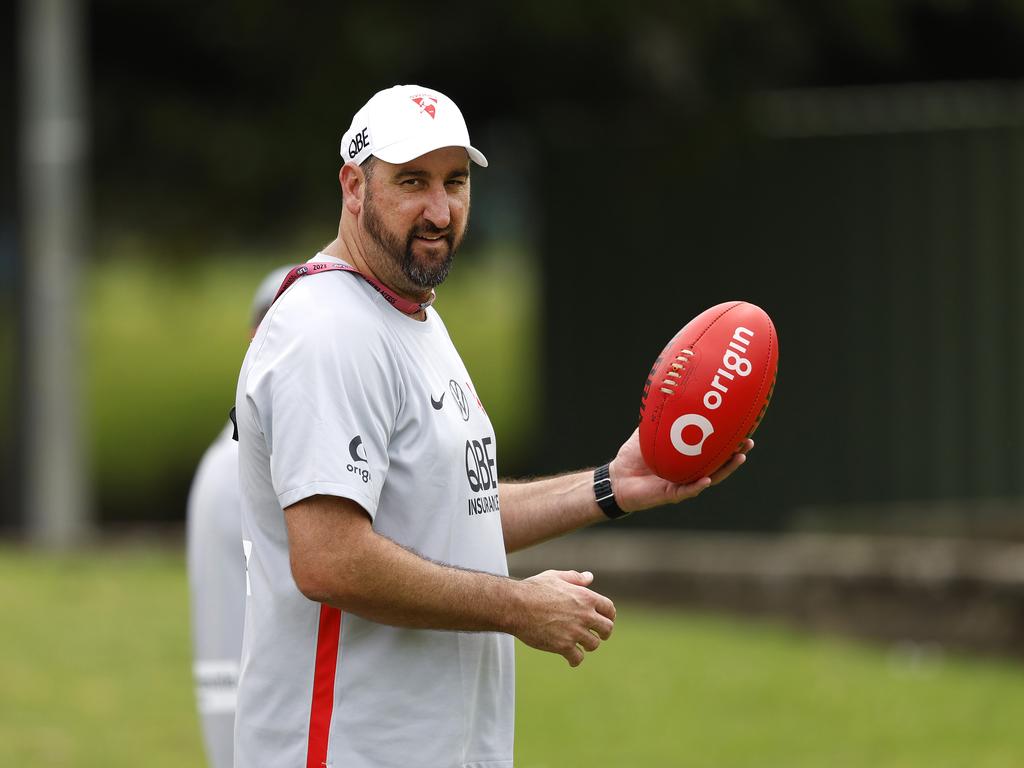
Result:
163,344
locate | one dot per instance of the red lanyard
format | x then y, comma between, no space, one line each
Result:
317,267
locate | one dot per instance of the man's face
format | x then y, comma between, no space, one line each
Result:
416,215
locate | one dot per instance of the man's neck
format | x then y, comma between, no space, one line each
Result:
337,249
347,249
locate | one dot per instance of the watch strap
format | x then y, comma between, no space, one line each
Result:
605,495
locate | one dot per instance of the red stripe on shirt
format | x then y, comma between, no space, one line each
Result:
327,641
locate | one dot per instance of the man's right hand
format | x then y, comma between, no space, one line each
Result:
563,616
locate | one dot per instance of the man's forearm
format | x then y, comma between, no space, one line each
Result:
410,591
537,510
372,576
337,558
534,511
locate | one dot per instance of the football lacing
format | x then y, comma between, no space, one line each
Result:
667,386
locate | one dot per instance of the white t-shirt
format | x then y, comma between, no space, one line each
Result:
216,579
341,394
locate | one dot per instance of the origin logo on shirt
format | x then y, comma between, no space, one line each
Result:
354,451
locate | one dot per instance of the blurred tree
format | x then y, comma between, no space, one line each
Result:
9,458
216,127
240,104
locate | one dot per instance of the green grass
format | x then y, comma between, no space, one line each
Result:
94,661
94,671
672,689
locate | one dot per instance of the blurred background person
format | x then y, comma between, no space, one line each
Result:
216,572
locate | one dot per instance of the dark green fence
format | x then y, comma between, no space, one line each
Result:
883,231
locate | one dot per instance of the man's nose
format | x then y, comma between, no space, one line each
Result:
438,211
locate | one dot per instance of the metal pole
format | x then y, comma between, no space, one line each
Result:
53,141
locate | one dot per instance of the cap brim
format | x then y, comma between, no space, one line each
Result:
405,151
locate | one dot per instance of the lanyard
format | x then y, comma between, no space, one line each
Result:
317,267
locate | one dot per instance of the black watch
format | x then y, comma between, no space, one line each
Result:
605,495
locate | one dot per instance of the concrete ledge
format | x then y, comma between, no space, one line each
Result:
963,593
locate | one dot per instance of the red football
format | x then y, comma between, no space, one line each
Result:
707,391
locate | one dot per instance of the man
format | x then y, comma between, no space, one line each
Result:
216,576
380,617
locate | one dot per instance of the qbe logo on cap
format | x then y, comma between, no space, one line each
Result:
359,142
407,121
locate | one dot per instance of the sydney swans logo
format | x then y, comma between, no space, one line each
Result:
427,104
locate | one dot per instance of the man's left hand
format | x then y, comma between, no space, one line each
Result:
637,488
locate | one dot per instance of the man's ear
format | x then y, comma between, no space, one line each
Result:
353,187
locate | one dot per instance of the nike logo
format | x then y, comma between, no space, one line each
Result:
437,403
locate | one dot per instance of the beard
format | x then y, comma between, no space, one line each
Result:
399,251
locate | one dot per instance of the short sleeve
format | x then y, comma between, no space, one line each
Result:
326,394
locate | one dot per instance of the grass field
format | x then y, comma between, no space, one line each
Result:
94,671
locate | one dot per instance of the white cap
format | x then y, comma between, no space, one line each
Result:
401,123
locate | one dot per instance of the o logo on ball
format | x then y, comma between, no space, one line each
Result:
690,420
